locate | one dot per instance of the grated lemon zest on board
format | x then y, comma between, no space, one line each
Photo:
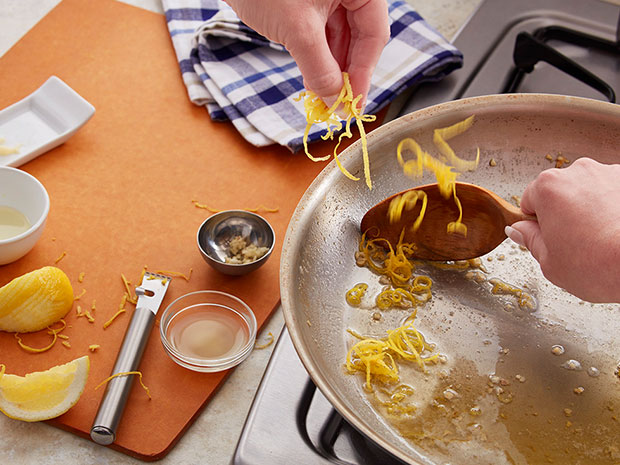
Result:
126,373
176,273
266,344
126,283
253,210
81,295
88,316
67,344
93,347
111,320
318,112
81,277
62,255
63,336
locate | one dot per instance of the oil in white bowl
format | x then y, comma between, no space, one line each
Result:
208,332
12,222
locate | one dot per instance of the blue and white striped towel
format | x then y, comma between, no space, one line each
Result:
241,76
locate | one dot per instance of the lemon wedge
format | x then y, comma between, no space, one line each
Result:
35,300
43,394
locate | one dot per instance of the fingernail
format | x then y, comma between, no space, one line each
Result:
330,100
514,235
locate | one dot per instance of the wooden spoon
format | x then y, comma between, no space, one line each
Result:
484,213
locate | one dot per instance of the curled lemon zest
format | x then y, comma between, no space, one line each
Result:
376,357
446,173
355,294
126,373
442,135
54,332
266,344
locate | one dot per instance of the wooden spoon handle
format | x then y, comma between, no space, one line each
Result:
512,214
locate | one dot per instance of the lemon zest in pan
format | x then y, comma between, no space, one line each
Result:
318,112
355,294
126,373
376,358
394,263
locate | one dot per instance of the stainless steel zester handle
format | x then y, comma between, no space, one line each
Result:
117,391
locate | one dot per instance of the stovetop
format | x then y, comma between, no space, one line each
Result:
568,47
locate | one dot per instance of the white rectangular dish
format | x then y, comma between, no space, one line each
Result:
41,121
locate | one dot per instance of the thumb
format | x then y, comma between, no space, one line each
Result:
528,233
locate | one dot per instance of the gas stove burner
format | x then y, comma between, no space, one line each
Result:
533,48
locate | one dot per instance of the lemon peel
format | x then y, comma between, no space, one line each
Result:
43,395
35,300
54,332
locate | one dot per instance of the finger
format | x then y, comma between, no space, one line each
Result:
529,234
370,31
527,202
319,68
338,36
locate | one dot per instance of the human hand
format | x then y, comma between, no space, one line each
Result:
324,37
576,239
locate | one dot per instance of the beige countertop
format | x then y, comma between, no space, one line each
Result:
211,440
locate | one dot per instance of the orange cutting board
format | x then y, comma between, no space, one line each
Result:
121,193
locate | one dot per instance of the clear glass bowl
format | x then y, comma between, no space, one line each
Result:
208,331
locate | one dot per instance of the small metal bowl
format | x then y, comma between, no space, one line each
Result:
215,233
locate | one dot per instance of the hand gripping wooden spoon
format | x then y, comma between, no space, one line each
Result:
484,213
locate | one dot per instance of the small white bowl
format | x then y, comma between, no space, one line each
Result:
23,192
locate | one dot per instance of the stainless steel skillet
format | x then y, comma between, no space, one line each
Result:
486,337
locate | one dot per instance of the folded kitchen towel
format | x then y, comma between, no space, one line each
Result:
241,76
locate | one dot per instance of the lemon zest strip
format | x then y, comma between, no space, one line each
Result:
126,373
111,320
176,273
266,344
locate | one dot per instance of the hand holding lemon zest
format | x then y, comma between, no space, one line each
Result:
318,112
